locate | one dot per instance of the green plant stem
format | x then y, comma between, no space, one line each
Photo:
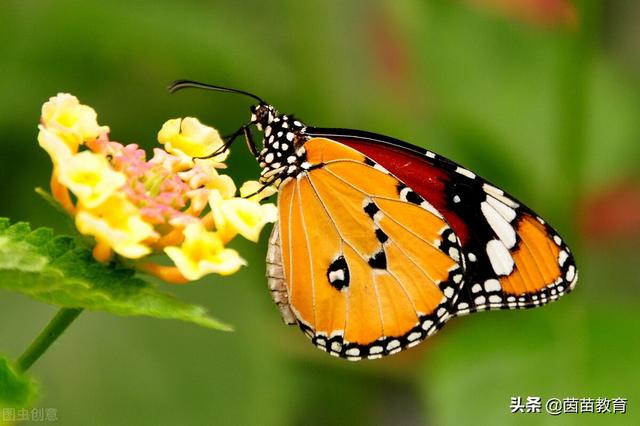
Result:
64,317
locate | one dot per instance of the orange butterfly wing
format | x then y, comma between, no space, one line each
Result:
367,273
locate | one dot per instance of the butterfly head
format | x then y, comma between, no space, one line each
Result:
282,154
262,115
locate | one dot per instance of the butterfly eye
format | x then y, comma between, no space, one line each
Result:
262,115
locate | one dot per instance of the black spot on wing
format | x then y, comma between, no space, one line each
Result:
381,236
408,195
414,198
371,209
338,273
378,260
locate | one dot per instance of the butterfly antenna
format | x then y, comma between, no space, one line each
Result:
184,84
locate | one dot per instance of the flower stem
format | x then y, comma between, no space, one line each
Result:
52,331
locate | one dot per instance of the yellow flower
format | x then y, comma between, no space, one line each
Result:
205,174
203,252
224,184
56,146
117,223
171,163
198,199
90,177
241,216
251,187
189,137
74,122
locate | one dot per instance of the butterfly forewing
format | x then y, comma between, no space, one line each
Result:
512,257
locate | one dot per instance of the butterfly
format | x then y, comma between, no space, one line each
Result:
379,243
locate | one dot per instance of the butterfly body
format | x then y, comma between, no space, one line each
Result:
380,242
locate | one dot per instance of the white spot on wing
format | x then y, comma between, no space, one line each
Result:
377,217
393,344
500,258
571,273
454,254
336,275
562,257
352,352
375,350
465,172
495,299
414,336
505,211
499,195
500,226
490,189
492,285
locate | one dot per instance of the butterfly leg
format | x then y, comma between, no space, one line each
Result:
228,142
248,137
264,186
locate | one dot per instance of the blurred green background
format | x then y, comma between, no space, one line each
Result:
539,96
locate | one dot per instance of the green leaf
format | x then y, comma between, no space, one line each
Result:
59,270
16,390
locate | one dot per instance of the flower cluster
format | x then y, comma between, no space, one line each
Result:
173,203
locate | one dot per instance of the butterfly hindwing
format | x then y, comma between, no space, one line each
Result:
369,266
